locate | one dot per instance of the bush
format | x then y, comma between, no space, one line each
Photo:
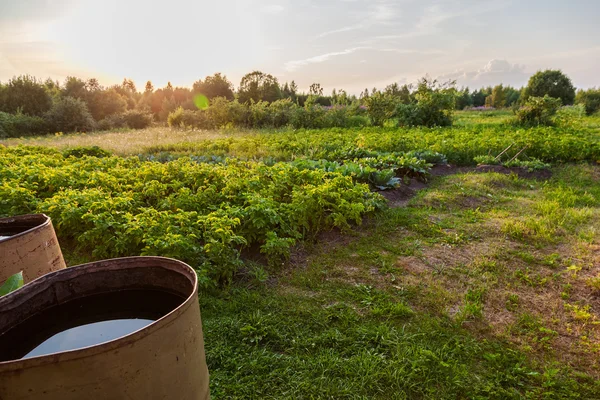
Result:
538,111
590,99
134,119
137,119
16,125
281,112
434,105
218,112
380,107
69,115
260,116
570,116
199,119
90,151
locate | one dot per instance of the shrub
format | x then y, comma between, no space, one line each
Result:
90,151
238,113
590,99
16,125
538,111
218,112
137,119
434,105
281,112
69,115
570,116
260,116
111,122
134,119
380,107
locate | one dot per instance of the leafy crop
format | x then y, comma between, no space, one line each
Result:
202,213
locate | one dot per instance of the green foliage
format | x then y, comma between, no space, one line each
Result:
103,103
91,151
258,86
590,99
551,83
570,116
25,94
433,106
13,283
69,115
132,119
381,106
214,86
17,125
538,111
202,213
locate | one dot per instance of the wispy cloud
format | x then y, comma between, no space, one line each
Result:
297,64
433,16
294,65
273,8
376,14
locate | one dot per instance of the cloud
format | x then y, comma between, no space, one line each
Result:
377,14
496,71
294,65
297,64
273,9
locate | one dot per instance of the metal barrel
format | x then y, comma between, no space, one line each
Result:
164,360
28,243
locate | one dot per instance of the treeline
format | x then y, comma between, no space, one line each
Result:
32,106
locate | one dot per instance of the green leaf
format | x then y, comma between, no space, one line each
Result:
12,283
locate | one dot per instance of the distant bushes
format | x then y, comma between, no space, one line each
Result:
15,125
280,113
133,119
590,99
69,114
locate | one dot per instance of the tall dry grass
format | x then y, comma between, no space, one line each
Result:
124,142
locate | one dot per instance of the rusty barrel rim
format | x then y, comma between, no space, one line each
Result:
38,221
71,273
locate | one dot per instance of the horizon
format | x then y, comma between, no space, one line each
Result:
341,44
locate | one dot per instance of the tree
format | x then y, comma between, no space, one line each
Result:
498,98
129,85
25,94
149,87
69,114
214,86
402,93
315,90
512,95
258,86
463,99
552,83
590,99
75,87
102,103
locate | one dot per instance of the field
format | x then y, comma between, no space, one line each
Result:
352,263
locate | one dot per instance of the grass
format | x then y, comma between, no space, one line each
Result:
436,300
123,142
428,301
483,286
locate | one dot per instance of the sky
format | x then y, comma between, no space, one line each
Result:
349,44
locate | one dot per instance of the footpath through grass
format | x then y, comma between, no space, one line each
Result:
484,287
